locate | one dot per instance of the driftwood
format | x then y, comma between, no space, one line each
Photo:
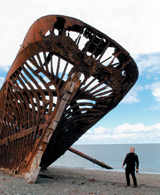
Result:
66,76
102,164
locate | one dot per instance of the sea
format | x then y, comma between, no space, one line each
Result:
112,155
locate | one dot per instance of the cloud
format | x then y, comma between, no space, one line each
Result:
132,96
97,134
148,64
101,130
125,133
5,67
155,90
137,128
2,81
156,94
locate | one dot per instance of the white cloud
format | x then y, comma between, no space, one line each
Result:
101,130
148,64
129,98
125,133
132,95
127,128
2,81
96,134
137,128
155,90
156,94
5,67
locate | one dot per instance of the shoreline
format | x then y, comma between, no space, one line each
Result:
103,169
75,181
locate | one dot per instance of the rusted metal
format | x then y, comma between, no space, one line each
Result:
66,76
102,164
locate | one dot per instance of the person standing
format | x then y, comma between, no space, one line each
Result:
131,162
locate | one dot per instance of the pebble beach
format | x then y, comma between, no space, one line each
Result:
69,181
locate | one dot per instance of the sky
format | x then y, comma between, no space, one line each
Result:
134,24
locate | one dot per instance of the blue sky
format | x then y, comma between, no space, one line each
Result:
133,24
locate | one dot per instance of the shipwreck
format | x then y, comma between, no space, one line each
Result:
66,76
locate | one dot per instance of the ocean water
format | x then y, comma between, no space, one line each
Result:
113,155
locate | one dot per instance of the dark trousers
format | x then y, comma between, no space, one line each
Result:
132,172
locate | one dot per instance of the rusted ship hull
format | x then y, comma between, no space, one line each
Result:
66,76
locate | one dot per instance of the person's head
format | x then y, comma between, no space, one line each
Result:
132,149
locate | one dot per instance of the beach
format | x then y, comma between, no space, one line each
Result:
71,181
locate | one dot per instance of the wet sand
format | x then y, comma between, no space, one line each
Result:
68,181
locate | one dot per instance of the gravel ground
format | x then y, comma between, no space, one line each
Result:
67,181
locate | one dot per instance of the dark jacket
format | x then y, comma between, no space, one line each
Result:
131,161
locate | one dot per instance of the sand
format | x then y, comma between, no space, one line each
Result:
68,181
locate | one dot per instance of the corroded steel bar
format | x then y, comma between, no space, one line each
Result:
66,76
102,164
